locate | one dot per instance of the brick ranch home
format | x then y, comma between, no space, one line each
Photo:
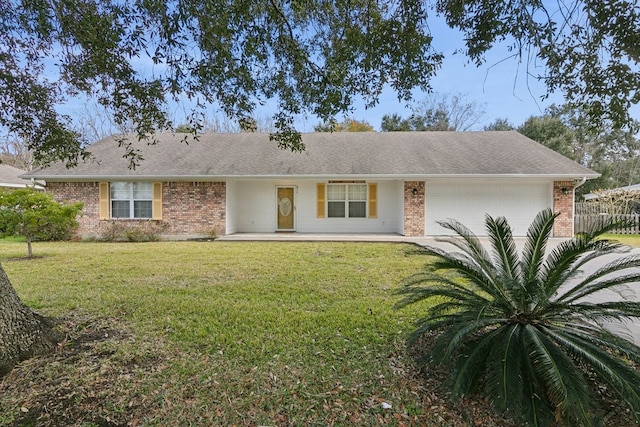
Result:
397,182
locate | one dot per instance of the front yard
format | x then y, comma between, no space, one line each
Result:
212,333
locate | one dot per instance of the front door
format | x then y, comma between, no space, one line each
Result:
285,208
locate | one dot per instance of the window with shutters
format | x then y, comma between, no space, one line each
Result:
131,199
347,200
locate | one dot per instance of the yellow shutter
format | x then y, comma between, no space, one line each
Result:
373,200
157,201
321,188
103,207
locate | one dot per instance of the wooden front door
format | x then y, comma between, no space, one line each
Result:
285,208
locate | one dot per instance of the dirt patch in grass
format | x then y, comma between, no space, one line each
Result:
89,380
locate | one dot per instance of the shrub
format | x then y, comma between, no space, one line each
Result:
35,215
518,327
132,231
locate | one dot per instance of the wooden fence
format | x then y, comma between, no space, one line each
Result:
585,222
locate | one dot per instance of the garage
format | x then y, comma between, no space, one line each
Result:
469,202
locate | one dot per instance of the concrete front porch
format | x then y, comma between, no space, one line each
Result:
359,237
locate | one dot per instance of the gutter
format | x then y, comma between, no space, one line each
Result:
417,177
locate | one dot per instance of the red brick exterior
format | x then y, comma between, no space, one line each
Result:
188,208
414,214
85,192
194,207
563,203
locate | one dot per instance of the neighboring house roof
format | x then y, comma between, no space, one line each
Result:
10,177
400,154
611,191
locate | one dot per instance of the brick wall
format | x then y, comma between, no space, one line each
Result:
194,207
414,208
563,203
85,192
188,208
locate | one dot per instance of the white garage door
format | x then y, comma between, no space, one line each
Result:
468,203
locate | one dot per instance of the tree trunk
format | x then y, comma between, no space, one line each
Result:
23,333
29,248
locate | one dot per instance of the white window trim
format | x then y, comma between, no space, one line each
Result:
131,201
347,200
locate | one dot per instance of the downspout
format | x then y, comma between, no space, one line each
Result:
577,184
582,181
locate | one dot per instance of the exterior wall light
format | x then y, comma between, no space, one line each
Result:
415,191
564,190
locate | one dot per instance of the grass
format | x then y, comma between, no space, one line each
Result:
632,240
225,333
195,333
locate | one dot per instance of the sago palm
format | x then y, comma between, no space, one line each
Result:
521,329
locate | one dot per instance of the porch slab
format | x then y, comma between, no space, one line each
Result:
360,237
319,237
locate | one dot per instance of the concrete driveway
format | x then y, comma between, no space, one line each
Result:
631,292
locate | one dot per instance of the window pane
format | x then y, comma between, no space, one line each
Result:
120,209
142,209
120,190
335,192
358,192
357,209
142,191
336,209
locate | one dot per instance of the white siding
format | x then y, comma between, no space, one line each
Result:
255,208
469,202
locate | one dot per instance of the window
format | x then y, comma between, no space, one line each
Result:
347,200
131,199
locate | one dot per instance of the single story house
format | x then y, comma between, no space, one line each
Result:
388,182
10,178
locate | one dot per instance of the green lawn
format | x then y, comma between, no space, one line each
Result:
632,240
214,333
225,333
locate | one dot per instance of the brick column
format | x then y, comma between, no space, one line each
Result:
564,204
414,208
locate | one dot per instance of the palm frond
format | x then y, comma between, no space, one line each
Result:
603,338
619,310
590,284
471,365
623,379
437,286
535,245
467,242
524,328
567,259
565,386
452,339
470,245
503,379
505,252
467,268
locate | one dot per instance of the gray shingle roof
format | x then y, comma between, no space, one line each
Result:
9,177
399,154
